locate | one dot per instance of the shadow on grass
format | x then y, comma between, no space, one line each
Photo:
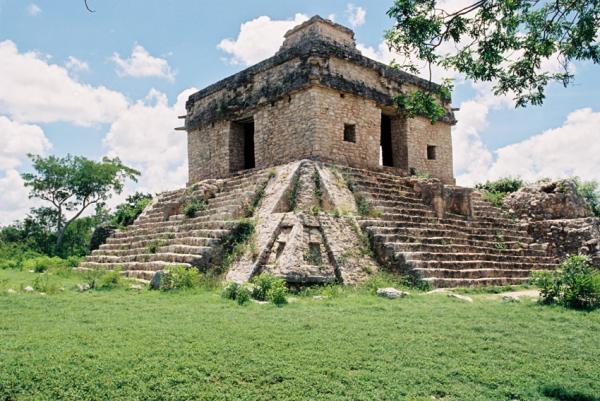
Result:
563,394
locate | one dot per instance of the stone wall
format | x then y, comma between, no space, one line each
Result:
208,151
334,110
284,130
421,134
566,237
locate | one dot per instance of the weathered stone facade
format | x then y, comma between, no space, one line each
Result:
318,98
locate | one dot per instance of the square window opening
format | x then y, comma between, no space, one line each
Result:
350,133
431,152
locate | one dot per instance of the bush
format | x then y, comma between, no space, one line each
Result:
244,293
41,264
264,287
496,191
383,280
278,294
270,288
230,290
43,284
110,279
576,284
179,278
192,207
126,213
92,277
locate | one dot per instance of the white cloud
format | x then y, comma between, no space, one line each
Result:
14,200
258,39
569,150
144,137
33,9
17,141
32,90
74,64
356,15
143,64
331,17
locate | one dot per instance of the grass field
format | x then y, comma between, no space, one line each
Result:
130,345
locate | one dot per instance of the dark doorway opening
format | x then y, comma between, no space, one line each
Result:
241,146
249,161
387,154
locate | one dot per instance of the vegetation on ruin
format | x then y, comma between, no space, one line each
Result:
506,42
193,206
575,284
235,243
495,191
125,344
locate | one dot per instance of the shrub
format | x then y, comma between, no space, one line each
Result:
382,280
503,185
126,213
264,287
230,290
244,294
179,278
110,279
193,207
269,288
42,283
576,284
92,277
277,294
496,191
41,264
73,261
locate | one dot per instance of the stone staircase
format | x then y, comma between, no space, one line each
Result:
163,235
485,249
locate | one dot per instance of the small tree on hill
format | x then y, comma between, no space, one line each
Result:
73,183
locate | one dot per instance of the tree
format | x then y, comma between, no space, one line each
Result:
507,42
73,183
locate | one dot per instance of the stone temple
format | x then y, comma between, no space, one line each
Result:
318,98
302,166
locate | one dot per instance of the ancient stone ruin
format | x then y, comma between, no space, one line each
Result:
303,167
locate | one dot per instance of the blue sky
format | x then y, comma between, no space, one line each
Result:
133,63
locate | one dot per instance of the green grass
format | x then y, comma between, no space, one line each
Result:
195,345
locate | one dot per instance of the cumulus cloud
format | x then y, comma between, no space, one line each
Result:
33,9
569,150
33,90
144,137
356,15
258,39
74,64
17,141
142,64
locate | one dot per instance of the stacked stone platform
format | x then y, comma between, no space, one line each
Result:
164,236
486,248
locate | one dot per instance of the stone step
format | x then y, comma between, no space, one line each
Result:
172,225
166,248
426,231
475,282
478,264
435,257
471,273
509,246
132,266
453,247
123,241
443,224
171,258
